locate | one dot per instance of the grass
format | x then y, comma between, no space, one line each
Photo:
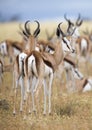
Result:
69,111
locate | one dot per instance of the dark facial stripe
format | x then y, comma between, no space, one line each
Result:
85,82
66,43
70,62
77,73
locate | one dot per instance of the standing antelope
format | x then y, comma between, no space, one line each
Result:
41,65
75,43
70,66
18,66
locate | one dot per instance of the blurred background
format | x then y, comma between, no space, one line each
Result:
21,10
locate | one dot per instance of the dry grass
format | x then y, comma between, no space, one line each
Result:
69,111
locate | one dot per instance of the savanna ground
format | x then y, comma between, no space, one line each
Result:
69,111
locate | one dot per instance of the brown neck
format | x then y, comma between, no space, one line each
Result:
31,44
58,55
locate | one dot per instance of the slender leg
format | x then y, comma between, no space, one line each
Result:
67,79
33,89
15,97
50,88
28,93
23,98
73,82
45,95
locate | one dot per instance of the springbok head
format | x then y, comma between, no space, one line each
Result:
65,42
75,25
31,37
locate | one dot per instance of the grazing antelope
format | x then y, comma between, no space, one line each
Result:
41,65
80,43
72,72
84,85
18,75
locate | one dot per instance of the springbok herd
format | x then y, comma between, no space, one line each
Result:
35,62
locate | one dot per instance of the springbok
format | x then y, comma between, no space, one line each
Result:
18,75
78,42
39,66
84,85
70,64
72,25
72,73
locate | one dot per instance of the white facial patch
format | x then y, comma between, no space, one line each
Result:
66,45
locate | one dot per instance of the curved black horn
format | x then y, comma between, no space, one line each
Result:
70,24
26,27
58,32
68,33
79,16
66,18
79,20
37,31
23,32
61,30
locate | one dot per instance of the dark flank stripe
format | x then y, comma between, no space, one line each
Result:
17,61
85,82
17,47
70,62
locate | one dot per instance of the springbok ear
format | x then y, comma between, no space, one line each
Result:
58,32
